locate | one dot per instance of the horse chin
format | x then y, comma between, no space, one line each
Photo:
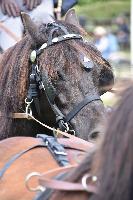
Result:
82,130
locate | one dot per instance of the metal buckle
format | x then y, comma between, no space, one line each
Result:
67,126
37,69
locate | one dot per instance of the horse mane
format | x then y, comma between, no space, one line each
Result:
13,74
15,67
113,161
116,159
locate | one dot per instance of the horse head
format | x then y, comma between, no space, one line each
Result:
70,75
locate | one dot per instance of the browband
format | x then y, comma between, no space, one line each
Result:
55,40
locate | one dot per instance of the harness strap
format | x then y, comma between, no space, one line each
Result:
46,181
16,156
57,40
65,185
51,173
77,108
56,149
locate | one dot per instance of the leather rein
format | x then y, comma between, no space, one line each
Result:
46,180
38,82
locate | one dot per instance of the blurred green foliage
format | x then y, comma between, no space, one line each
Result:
102,9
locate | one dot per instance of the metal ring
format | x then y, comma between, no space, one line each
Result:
37,68
67,126
84,181
28,102
33,189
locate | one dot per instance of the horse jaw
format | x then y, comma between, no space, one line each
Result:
86,121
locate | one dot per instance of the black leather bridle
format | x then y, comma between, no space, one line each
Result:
38,82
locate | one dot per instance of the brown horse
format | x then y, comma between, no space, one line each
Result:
21,155
73,69
113,164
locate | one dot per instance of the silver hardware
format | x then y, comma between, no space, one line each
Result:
42,86
28,102
69,35
55,40
94,178
43,46
85,178
32,75
60,153
67,127
33,189
28,107
37,68
86,59
84,181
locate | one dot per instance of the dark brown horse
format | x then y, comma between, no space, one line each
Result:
64,65
113,164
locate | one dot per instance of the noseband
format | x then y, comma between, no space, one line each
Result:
38,82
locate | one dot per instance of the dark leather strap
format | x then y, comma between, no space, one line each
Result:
76,109
56,149
59,39
16,156
53,145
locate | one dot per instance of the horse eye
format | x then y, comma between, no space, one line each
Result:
86,62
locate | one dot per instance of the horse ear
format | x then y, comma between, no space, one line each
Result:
71,18
29,25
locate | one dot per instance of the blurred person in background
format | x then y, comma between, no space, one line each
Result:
123,33
105,42
11,28
10,18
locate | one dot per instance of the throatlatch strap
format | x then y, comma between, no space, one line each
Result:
78,107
